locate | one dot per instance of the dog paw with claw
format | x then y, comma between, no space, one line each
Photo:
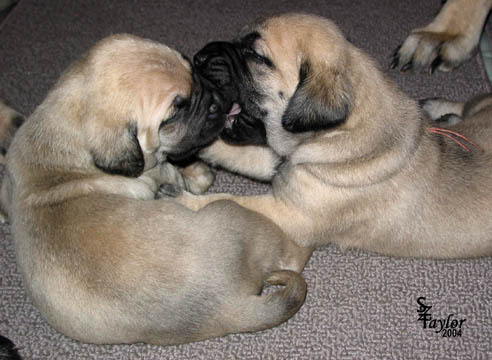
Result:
448,41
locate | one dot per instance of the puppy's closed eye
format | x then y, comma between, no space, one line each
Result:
251,53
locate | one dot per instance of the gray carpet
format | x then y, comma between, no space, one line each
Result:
359,305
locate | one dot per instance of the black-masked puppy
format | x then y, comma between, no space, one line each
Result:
101,264
448,41
352,159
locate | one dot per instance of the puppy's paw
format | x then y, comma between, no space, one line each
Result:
198,177
142,188
433,50
447,42
168,191
437,108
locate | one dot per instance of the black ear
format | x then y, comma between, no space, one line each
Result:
120,154
321,101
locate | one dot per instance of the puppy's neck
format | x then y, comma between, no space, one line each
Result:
378,139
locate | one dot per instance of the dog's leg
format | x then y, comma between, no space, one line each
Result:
446,42
442,111
257,162
198,177
195,178
287,216
142,188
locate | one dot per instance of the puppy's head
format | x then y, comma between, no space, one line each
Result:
140,99
286,76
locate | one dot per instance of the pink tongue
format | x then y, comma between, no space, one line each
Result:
236,109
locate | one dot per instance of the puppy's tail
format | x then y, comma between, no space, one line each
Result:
10,121
259,312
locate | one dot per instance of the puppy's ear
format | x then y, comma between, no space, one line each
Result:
321,101
119,153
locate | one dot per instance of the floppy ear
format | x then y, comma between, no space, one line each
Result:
119,153
321,101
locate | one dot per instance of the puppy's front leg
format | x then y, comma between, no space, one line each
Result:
196,178
448,41
257,162
266,205
287,216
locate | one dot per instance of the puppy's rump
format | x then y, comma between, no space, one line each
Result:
260,312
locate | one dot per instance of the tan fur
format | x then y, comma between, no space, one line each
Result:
379,181
101,264
452,37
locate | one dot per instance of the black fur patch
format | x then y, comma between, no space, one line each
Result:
126,159
313,111
17,121
8,350
226,65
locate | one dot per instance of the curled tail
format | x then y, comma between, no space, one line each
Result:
10,121
257,312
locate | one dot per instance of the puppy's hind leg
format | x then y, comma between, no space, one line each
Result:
447,112
443,112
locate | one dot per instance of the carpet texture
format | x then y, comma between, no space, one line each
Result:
359,305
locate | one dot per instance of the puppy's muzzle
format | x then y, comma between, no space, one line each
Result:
223,64
204,117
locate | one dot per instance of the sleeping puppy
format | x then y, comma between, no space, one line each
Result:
102,265
448,41
352,160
